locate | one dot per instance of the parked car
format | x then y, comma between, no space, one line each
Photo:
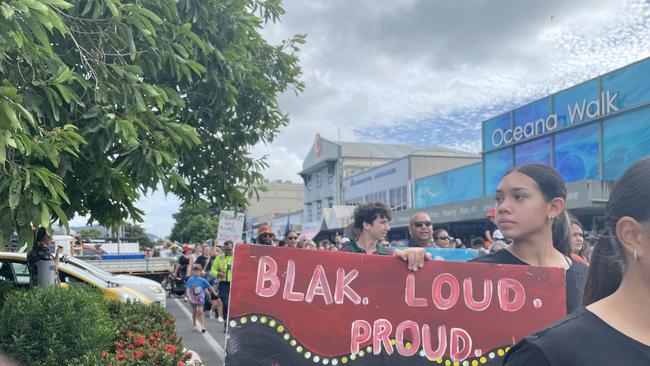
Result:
13,269
152,289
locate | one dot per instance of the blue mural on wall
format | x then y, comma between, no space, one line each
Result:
497,164
536,151
577,153
566,100
452,186
532,112
631,84
626,139
501,122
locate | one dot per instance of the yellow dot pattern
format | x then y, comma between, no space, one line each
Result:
319,359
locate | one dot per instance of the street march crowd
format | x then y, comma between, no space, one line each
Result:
607,277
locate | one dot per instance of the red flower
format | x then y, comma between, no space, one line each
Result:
139,342
139,354
119,345
121,356
104,354
181,363
170,348
127,334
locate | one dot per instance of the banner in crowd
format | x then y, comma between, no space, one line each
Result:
300,307
451,254
231,226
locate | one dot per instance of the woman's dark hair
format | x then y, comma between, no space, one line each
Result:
629,197
574,221
437,232
369,212
41,234
552,186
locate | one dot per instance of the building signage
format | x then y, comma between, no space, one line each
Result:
581,111
381,174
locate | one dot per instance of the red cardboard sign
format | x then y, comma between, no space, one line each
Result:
301,307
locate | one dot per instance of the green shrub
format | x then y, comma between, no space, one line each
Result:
55,325
5,289
145,335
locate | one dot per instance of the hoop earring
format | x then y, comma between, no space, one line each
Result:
549,219
636,256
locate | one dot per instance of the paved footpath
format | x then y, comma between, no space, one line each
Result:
210,346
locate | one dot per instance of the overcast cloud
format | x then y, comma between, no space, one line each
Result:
428,72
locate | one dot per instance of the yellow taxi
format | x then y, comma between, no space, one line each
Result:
13,269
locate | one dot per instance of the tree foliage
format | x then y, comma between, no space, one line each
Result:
102,101
194,222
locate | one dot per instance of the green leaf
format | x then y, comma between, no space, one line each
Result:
113,9
58,3
7,11
3,150
45,215
14,192
60,214
129,37
151,15
142,107
9,112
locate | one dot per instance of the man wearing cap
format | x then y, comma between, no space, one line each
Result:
420,231
265,235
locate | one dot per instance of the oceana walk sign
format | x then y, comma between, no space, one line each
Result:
585,110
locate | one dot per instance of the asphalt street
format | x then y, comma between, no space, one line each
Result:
211,345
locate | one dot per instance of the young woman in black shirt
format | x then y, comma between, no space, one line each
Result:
530,210
614,328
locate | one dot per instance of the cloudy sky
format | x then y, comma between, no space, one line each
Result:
428,72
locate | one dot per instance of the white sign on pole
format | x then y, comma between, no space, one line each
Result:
231,226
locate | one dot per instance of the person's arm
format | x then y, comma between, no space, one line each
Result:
488,236
525,353
57,255
414,257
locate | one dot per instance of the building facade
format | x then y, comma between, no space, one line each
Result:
328,166
591,133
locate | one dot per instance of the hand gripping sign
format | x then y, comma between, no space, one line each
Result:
300,307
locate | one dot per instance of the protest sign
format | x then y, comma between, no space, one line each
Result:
231,226
450,254
299,307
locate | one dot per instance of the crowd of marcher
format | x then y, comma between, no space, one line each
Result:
607,273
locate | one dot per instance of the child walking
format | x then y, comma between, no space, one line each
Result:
195,290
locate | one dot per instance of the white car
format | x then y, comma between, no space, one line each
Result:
152,289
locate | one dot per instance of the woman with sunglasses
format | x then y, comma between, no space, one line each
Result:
614,328
530,209
443,240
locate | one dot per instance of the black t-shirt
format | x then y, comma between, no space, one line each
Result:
576,275
183,262
202,261
581,339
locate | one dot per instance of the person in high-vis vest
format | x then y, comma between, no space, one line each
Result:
222,272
